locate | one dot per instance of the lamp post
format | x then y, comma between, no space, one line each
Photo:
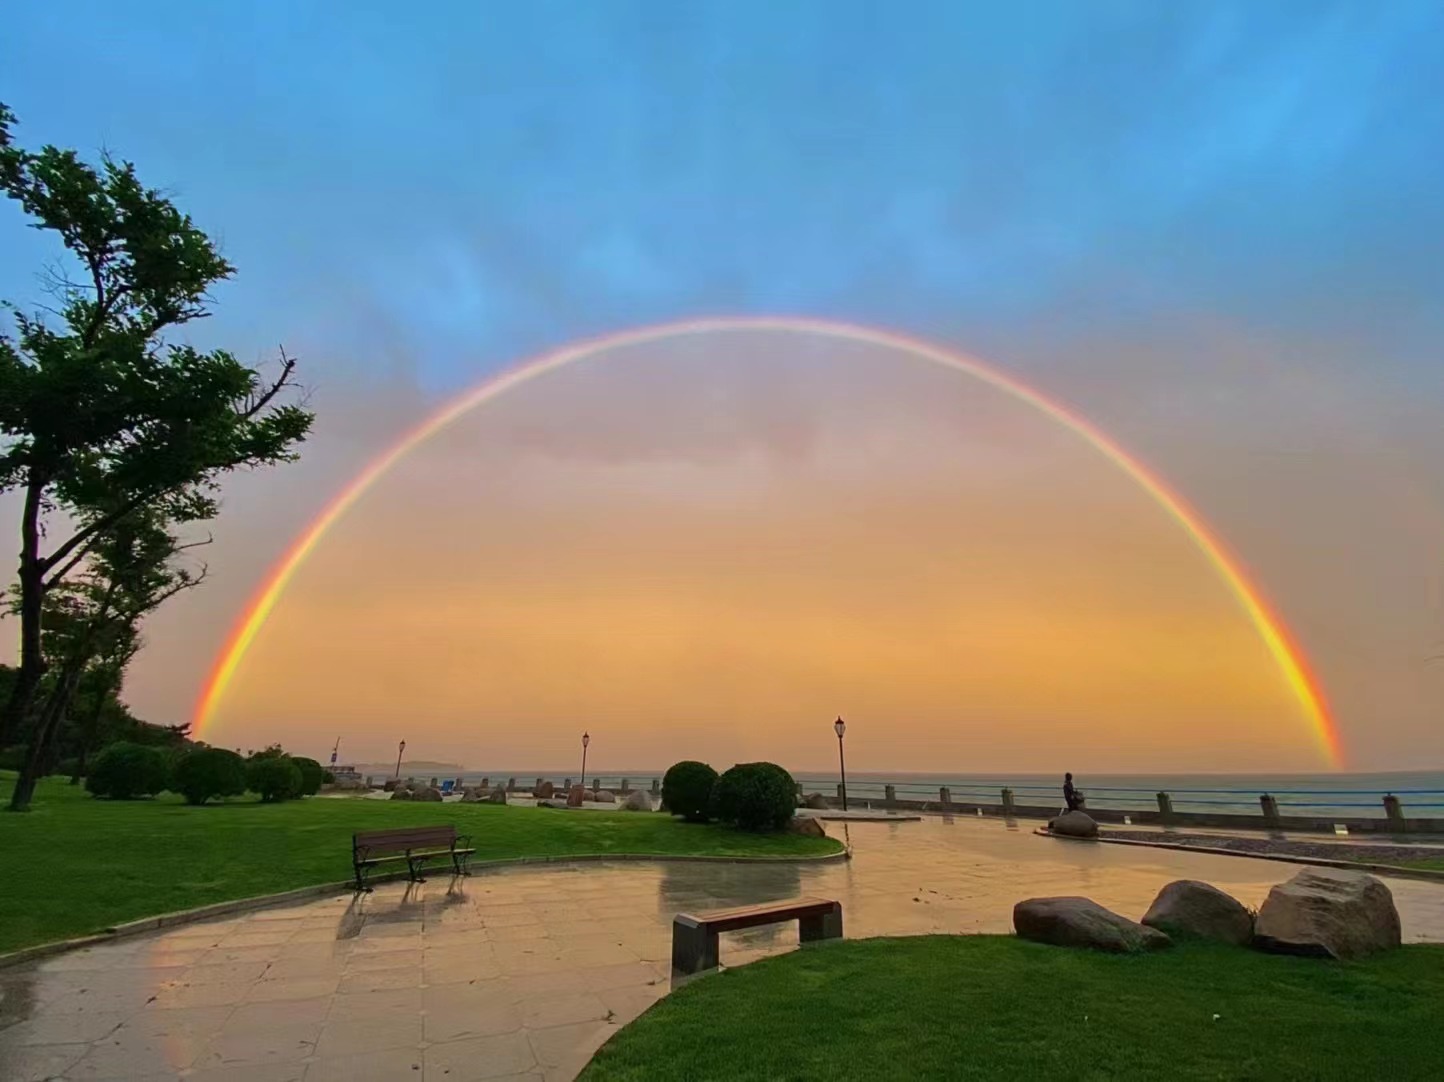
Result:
586,739
839,727
399,749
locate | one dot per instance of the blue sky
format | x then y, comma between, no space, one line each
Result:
444,188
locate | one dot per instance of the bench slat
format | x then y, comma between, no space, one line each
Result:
750,916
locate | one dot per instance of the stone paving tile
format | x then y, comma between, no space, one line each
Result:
479,1057
376,1034
37,1063
261,1047
395,1065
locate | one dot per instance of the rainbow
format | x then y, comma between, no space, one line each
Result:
1286,653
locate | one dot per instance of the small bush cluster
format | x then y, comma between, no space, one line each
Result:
755,796
202,773
273,778
687,790
124,771
750,796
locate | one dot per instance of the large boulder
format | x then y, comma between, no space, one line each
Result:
1328,913
637,801
575,796
815,801
602,796
545,791
496,796
428,793
402,793
1074,824
1188,907
1081,922
807,826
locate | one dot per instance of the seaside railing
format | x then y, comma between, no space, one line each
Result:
1401,810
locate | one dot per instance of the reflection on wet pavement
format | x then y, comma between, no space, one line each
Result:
523,973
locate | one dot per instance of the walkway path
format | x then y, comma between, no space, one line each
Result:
523,973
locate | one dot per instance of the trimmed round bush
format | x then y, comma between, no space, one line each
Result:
273,778
755,796
201,773
687,790
124,771
312,774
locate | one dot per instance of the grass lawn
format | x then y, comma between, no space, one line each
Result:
995,1007
1431,864
74,864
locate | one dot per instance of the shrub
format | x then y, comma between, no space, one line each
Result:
125,770
327,778
273,777
202,772
687,790
312,775
755,796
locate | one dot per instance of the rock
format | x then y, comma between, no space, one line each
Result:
1081,922
816,801
1188,907
807,826
474,796
602,796
1074,824
1328,913
547,804
401,793
637,801
575,796
545,791
496,796
428,793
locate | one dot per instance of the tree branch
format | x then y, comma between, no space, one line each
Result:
288,366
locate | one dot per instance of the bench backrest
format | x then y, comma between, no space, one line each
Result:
751,916
403,838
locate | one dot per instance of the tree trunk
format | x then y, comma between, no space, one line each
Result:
79,771
32,597
39,752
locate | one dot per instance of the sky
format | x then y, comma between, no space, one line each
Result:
1213,229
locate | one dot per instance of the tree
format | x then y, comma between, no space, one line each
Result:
312,775
93,622
273,777
202,772
124,771
101,416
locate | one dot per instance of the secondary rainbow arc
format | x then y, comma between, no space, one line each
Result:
1286,653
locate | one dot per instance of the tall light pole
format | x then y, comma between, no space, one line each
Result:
586,739
839,727
399,749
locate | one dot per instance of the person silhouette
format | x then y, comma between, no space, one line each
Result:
1071,796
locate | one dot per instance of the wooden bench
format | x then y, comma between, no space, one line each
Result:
694,935
371,849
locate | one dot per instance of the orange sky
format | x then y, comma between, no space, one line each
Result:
709,549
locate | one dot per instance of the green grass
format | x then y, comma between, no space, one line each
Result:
1429,864
75,865
995,1007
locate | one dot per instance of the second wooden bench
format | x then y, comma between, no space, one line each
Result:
694,935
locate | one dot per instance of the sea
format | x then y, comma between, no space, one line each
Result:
1353,795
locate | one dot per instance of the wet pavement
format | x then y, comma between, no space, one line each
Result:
522,973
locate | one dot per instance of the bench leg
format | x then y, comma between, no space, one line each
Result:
824,926
414,866
459,862
361,880
694,948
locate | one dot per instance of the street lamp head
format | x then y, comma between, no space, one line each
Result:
403,745
586,739
840,726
